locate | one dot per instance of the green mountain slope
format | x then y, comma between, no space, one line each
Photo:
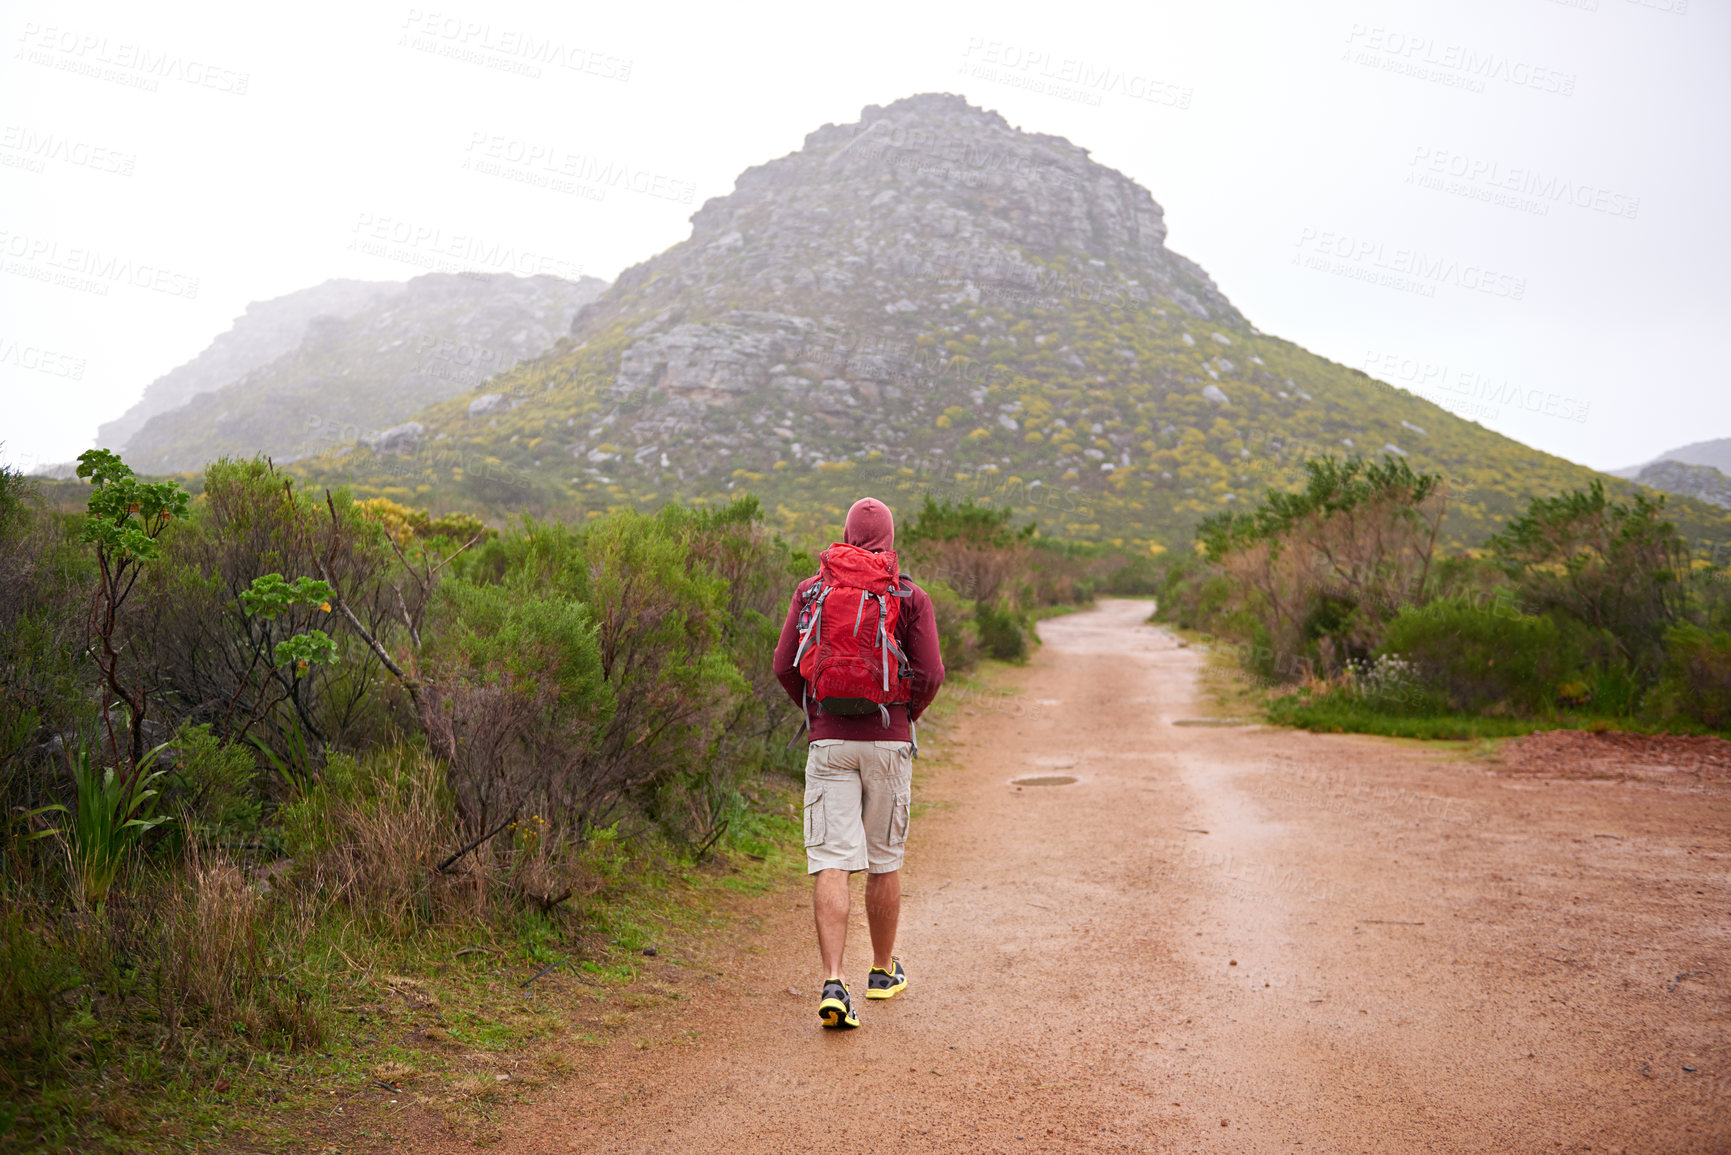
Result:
932,300
350,374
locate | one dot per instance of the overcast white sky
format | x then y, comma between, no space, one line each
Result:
227,153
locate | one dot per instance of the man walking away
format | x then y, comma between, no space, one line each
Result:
859,654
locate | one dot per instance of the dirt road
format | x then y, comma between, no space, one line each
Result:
1217,939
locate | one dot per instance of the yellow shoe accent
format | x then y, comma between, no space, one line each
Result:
837,1013
896,972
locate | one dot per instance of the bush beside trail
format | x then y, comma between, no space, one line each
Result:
1583,610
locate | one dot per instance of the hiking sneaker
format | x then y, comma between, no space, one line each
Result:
886,984
836,1009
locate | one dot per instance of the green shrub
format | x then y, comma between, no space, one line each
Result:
662,627
1001,634
515,701
45,676
1195,596
1616,566
957,640
1481,659
1696,683
211,782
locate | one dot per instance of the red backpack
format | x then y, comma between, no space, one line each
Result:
848,654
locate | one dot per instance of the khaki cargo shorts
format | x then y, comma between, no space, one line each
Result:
857,797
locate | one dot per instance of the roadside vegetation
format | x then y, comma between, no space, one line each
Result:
312,803
1343,613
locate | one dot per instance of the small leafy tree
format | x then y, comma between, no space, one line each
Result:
1618,566
1323,569
261,564
125,520
279,661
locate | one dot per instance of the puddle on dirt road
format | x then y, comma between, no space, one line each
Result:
1045,780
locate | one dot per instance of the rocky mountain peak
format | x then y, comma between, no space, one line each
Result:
925,196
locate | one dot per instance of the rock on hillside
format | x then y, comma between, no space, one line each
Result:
931,300
266,331
1702,482
349,376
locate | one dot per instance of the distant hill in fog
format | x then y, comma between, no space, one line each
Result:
338,362
266,331
1714,453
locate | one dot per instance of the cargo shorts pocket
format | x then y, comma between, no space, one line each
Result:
816,829
899,819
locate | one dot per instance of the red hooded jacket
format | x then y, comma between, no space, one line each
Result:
870,526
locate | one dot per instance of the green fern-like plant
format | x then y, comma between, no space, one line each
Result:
111,813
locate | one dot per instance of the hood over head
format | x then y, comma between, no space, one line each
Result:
870,525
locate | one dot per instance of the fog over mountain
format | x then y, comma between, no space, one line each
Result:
342,358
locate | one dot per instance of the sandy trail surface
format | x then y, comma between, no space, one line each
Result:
1217,938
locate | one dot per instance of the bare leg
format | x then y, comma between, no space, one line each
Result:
883,911
829,906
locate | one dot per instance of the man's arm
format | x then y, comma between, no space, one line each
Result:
785,671
923,655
